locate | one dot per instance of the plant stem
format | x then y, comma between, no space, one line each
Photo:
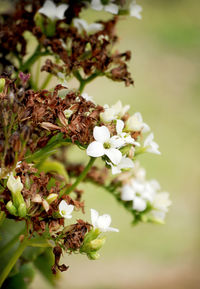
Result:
34,57
80,178
12,261
2,217
46,81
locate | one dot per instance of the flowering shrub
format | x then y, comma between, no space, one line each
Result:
38,185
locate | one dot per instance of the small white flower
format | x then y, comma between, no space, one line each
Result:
161,204
97,5
50,10
82,25
123,137
114,112
140,192
150,145
87,97
14,184
102,222
135,10
65,210
135,123
103,145
125,163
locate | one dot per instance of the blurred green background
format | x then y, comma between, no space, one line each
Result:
166,47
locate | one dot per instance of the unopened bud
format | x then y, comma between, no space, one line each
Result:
93,255
96,244
51,198
11,208
22,211
14,184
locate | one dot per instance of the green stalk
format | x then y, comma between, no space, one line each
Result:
79,179
12,261
46,81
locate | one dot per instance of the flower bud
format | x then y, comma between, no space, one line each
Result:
51,198
133,124
14,184
2,84
93,255
22,211
96,244
11,208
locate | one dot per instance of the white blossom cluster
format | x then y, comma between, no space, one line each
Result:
119,148
54,13
145,196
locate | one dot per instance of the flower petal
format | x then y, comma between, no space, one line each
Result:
95,149
60,11
112,8
103,222
127,193
94,217
119,126
96,5
139,204
114,155
101,134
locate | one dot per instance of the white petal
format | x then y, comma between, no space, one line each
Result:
126,163
81,25
148,139
103,222
116,142
119,126
127,193
60,11
48,9
110,229
69,209
94,217
94,27
95,149
101,134
112,8
135,10
114,155
96,5
139,204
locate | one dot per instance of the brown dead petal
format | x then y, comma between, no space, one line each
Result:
49,126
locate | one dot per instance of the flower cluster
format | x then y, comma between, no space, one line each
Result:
39,186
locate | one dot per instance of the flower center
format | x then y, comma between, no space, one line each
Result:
106,145
63,212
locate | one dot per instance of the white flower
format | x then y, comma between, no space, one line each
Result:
150,145
87,97
82,25
65,210
140,192
135,10
125,163
116,111
102,222
97,5
161,204
135,123
103,145
50,10
14,184
123,137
